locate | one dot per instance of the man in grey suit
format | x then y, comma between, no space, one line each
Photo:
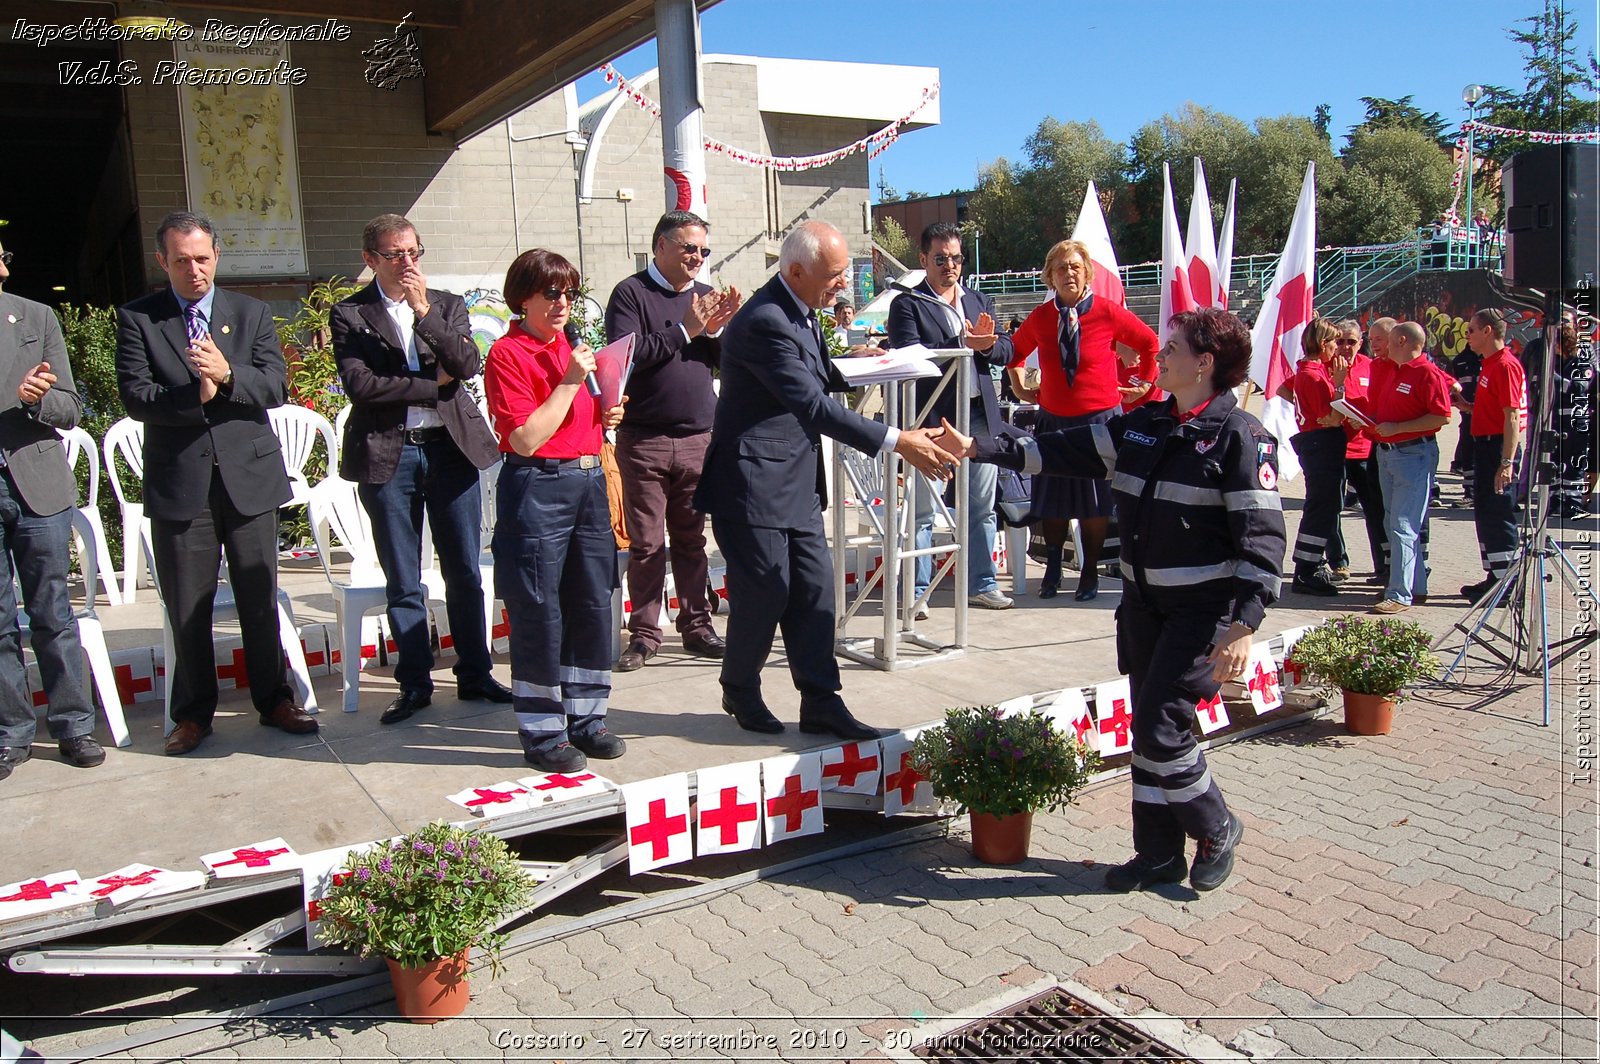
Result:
764,490
37,494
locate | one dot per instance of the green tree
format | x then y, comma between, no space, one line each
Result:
890,235
1271,171
1562,92
1220,140
1394,179
1402,114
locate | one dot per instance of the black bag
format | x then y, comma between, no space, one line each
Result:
1013,498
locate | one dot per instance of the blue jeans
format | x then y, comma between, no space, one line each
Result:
1406,474
435,475
981,480
34,552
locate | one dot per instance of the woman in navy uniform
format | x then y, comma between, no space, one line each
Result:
1194,481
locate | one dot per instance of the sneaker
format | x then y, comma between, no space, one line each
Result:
990,600
921,612
601,744
1319,582
1144,871
82,751
1213,860
562,757
1390,606
1341,574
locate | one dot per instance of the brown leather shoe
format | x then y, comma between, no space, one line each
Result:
634,657
185,737
289,717
706,645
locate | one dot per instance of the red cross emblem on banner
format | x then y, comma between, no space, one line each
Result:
558,781
129,686
38,890
729,814
251,857
658,830
905,780
1209,706
852,766
1265,683
792,804
489,796
1291,669
1117,724
1083,726
314,906
235,672
111,884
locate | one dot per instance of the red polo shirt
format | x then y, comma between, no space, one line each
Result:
1357,384
519,375
1094,387
1501,385
1313,394
1404,393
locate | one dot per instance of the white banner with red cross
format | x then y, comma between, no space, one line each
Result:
1293,675
135,881
728,808
658,823
497,799
905,790
31,897
854,768
1070,715
257,859
546,787
1212,713
1113,708
319,873
791,796
1262,680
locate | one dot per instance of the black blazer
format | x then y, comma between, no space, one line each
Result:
764,462
29,335
182,438
372,367
915,317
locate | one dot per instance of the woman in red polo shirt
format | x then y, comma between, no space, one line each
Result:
1320,443
1075,335
1360,466
555,558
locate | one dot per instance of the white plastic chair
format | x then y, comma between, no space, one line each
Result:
78,443
297,430
337,514
126,439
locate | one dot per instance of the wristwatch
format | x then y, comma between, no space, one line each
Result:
227,381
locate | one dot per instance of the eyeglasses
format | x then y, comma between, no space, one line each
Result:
396,256
949,260
554,293
5,258
695,249
1345,341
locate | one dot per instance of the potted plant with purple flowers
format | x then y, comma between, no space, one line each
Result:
422,902
1002,769
1372,661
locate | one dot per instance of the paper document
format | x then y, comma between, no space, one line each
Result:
900,364
613,364
1342,406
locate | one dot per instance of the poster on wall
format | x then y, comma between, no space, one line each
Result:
239,157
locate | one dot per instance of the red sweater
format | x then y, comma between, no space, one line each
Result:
519,375
1095,386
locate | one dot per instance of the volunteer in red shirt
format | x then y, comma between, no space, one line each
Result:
555,561
1360,459
1408,404
1320,443
1499,421
1075,335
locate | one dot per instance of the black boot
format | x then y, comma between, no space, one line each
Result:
1050,583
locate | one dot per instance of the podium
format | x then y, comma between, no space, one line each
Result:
887,492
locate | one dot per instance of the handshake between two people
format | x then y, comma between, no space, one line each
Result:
934,452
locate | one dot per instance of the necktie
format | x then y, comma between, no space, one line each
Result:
195,323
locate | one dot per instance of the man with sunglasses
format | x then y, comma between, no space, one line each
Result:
414,443
661,444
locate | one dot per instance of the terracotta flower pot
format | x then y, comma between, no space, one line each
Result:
1368,714
1001,840
436,991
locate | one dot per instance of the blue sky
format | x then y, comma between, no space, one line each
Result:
1006,64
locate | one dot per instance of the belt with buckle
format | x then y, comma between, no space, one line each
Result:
551,465
1403,443
421,436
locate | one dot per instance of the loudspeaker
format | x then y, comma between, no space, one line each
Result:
1552,228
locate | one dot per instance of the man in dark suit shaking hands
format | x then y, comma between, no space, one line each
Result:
201,366
415,442
764,490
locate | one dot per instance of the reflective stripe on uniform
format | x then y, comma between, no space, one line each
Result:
1103,443
1168,768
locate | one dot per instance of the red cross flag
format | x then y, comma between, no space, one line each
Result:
791,796
1113,707
854,768
728,808
1176,295
905,790
1261,677
135,881
1286,309
1212,714
1293,675
561,786
1070,715
318,873
494,800
1201,245
1091,231
1012,706
30,897
658,822
258,859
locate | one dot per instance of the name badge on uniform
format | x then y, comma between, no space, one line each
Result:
1138,437
1403,388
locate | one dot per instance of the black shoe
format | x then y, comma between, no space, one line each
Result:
563,757
406,704
1315,583
1050,582
82,751
601,744
487,689
707,645
11,757
756,717
832,718
1144,871
1474,593
1213,860
1088,587
634,657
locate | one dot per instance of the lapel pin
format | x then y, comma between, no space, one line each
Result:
12,318
224,330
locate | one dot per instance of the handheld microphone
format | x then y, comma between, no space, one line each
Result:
575,338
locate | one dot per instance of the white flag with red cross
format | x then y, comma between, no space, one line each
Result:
658,822
497,799
257,859
791,796
1286,309
1225,248
1176,295
1090,230
135,881
1113,710
44,894
728,808
1262,679
905,790
1200,243
1293,674
1212,713
854,768
548,787
320,873
1069,712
